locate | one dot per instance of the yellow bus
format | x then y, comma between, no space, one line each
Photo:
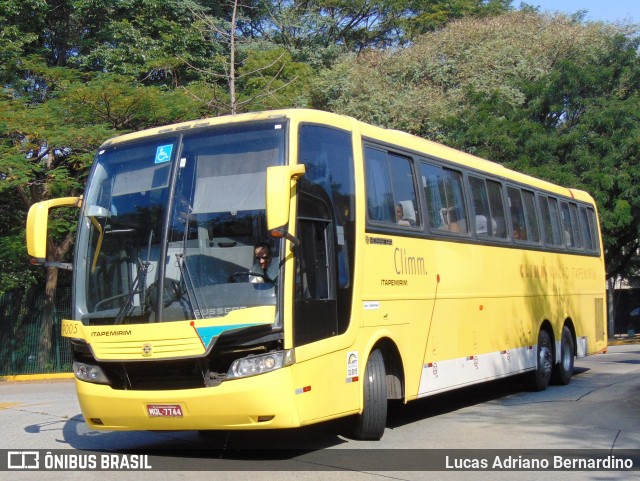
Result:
283,268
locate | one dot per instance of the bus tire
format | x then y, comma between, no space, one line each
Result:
370,424
563,371
539,379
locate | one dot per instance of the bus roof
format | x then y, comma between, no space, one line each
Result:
401,139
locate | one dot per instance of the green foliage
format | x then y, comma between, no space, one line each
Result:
429,16
549,95
269,78
122,105
579,126
492,56
15,272
74,73
312,29
150,40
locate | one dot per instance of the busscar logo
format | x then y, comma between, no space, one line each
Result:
23,460
378,241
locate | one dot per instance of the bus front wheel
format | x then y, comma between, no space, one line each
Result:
370,424
563,371
539,379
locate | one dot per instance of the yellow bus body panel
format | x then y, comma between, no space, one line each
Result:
266,401
164,340
465,306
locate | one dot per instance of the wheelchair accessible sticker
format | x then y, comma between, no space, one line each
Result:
163,153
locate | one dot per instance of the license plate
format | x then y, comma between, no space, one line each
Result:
164,410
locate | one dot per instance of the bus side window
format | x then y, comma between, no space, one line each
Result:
380,205
575,224
588,227
518,220
496,204
555,219
404,191
445,198
531,216
567,226
550,221
489,207
391,193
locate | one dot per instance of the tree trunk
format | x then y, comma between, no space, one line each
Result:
232,60
46,319
55,253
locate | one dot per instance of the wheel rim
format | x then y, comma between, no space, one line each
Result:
566,356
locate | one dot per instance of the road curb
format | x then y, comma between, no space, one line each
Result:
623,341
37,377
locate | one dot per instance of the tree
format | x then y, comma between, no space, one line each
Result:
265,72
57,107
549,95
318,31
578,126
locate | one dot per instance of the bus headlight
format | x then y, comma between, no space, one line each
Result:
252,365
89,373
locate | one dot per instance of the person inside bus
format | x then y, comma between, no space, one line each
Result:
401,219
264,264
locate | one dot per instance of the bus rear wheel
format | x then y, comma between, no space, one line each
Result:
539,379
563,371
371,423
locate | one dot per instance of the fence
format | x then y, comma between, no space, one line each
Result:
626,308
20,333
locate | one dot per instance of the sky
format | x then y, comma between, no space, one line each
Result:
598,10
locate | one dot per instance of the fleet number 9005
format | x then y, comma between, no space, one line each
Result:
69,329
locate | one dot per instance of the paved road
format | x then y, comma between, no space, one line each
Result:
600,409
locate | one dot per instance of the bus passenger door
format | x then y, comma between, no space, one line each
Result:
321,363
316,315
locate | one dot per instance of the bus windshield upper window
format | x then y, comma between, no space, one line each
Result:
208,203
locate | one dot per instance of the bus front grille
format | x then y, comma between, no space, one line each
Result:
157,375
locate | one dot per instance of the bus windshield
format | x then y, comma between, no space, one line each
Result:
180,216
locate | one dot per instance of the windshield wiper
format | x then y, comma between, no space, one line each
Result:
138,286
187,280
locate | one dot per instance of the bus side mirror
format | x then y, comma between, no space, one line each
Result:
278,194
37,222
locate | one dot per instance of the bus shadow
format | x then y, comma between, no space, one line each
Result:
451,401
208,444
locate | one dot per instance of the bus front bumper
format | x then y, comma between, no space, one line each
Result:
265,401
